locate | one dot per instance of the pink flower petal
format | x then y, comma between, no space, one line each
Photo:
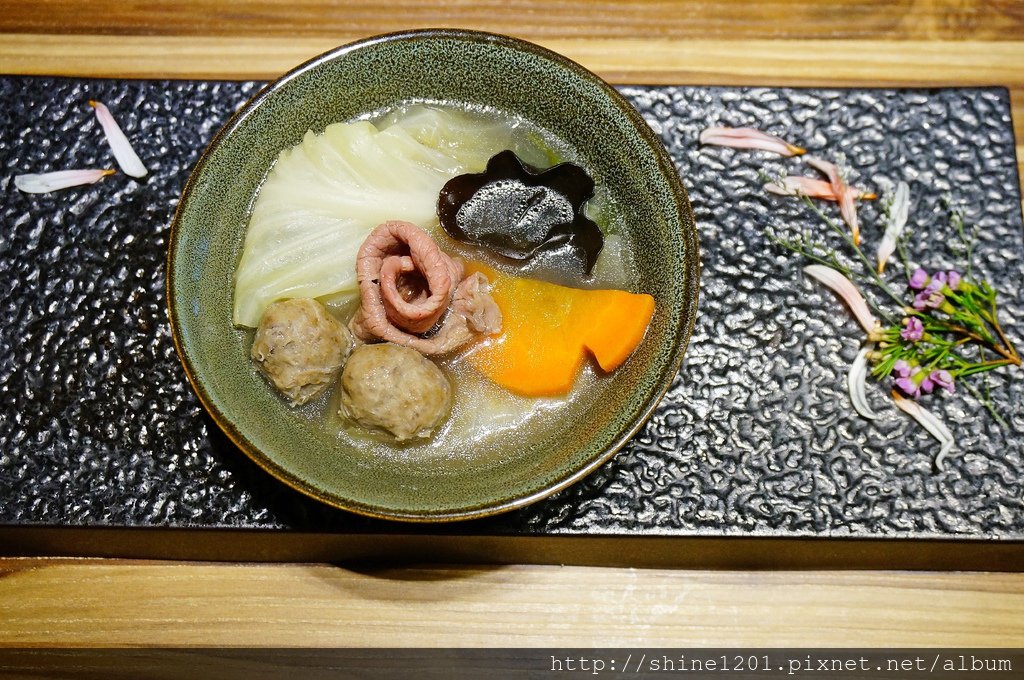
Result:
849,212
748,138
802,186
847,291
795,185
61,179
828,169
844,192
930,422
127,159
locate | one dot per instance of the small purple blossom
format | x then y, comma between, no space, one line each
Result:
901,368
914,329
928,299
931,297
912,381
908,387
919,279
943,379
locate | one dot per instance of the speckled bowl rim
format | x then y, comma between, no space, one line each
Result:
688,234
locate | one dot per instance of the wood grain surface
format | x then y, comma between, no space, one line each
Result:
868,43
94,602
727,20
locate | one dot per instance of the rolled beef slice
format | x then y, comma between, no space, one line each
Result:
407,286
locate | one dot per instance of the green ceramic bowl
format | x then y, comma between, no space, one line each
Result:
458,482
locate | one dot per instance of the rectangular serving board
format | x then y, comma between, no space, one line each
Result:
753,459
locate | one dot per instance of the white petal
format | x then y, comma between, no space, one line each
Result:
846,290
855,381
848,209
885,249
930,422
900,209
61,179
126,157
897,220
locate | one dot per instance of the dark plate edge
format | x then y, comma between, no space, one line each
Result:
609,550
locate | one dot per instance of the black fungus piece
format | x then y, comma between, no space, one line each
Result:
518,211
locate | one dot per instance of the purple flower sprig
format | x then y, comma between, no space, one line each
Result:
948,327
947,322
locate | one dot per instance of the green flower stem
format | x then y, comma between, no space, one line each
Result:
986,366
1007,352
999,330
941,357
958,223
833,263
901,249
985,400
931,323
879,281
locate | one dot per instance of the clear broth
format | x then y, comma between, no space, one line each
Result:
488,424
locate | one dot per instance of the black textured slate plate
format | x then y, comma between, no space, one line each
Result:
753,458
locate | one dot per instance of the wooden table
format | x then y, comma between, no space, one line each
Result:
763,42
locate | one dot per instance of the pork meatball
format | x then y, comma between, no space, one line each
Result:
300,347
395,389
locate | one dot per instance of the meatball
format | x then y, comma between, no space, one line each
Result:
396,389
300,347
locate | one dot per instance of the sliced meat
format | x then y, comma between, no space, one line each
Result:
404,278
473,301
412,294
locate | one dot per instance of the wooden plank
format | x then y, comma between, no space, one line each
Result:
757,19
854,63
695,62
91,602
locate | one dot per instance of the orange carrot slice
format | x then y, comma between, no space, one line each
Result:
547,331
